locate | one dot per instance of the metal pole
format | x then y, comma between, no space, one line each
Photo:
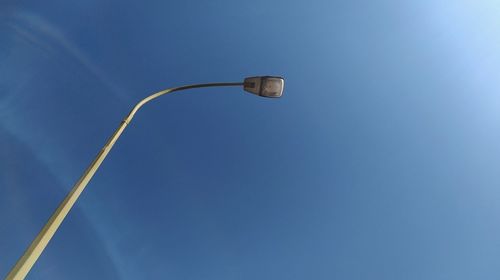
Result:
30,256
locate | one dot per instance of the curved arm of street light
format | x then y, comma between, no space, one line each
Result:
170,90
263,86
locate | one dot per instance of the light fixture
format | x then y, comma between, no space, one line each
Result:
265,86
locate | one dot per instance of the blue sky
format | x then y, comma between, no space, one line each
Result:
379,162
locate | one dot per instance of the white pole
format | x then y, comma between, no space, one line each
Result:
30,256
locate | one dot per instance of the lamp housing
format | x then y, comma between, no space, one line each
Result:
265,86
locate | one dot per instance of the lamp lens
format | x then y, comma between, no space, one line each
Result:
272,87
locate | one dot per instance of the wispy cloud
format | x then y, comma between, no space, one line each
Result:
37,30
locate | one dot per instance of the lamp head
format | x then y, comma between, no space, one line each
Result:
265,86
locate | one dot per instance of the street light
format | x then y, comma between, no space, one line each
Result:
265,86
